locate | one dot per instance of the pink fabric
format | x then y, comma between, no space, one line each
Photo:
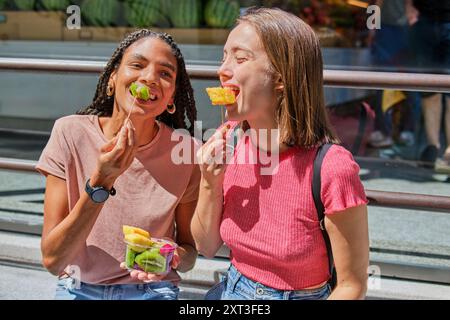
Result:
147,193
270,222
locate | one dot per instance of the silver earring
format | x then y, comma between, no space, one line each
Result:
171,108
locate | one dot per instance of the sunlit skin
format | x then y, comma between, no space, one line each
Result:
148,61
246,70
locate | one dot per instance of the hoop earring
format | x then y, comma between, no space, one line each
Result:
109,90
171,108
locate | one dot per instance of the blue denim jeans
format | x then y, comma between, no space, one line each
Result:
163,290
236,286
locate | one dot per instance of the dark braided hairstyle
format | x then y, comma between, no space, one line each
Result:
102,104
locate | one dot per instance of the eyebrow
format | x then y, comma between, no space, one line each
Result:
162,63
239,48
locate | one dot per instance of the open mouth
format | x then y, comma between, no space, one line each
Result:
234,89
142,93
153,97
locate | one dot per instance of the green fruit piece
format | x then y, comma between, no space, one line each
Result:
186,13
55,5
221,13
133,89
2,4
25,4
151,261
102,13
140,91
147,13
143,93
129,257
137,249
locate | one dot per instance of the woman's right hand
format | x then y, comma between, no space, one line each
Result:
116,156
212,158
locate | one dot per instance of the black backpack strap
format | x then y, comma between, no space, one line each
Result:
316,188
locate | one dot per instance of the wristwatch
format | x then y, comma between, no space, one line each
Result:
98,194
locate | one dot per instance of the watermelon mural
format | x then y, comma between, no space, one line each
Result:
102,13
221,13
25,4
2,4
186,13
55,5
147,13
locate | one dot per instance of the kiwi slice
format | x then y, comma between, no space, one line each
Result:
151,261
140,91
129,257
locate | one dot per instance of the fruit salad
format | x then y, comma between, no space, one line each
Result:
145,253
221,96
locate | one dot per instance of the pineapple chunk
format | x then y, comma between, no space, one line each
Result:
138,242
130,230
221,96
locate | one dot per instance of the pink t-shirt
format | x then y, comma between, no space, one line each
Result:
270,222
147,192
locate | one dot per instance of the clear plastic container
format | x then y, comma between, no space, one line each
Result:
155,258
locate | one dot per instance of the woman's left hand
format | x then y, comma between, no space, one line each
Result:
151,277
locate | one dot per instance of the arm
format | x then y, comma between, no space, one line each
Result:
186,250
411,12
349,236
206,221
205,224
64,233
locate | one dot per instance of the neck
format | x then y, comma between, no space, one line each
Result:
145,129
265,135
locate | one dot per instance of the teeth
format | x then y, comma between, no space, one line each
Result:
152,97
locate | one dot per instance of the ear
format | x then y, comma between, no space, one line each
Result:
113,77
172,99
279,85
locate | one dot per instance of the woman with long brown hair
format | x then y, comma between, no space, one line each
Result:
110,165
273,64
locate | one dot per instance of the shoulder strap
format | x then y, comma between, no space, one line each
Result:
316,188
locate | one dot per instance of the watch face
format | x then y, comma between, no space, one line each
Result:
100,195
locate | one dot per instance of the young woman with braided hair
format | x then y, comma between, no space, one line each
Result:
122,145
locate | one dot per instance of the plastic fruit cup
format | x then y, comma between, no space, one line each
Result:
154,259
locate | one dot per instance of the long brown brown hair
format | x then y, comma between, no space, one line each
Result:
294,52
103,105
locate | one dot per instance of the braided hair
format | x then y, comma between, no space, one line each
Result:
102,104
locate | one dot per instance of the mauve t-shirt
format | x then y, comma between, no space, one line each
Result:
147,192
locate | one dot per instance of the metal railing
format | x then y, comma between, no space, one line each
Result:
333,78
336,78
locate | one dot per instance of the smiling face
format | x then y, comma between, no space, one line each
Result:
149,61
246,70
